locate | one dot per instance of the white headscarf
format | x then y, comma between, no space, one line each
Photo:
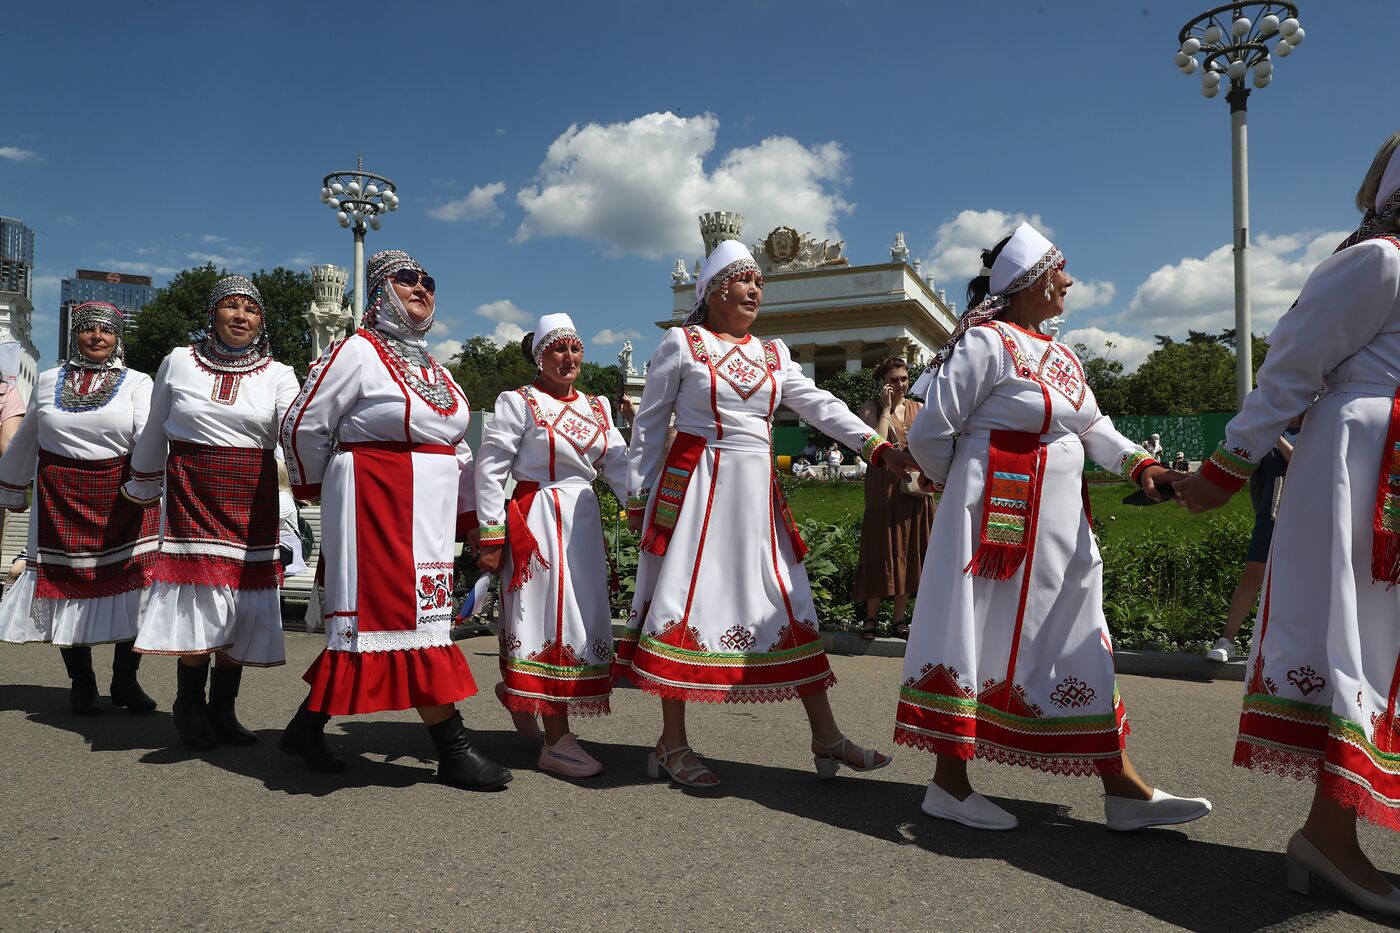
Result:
730,258
1385,208
551,329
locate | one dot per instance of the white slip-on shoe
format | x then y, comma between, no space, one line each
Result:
1224,650
976,811
1305,861
1124,815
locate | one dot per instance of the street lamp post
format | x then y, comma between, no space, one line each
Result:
1235,41
359,198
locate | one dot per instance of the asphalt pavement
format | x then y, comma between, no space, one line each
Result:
109,824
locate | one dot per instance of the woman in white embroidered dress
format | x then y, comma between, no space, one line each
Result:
1320,701
90,547
378,433
547,543
1009,656
208,446
723,611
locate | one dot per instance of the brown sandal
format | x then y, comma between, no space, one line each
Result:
869,629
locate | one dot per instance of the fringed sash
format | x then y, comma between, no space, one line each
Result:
799,547
1008,504
525,555
1385,542
670,494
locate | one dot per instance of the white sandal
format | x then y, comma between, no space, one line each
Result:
835,756
672,761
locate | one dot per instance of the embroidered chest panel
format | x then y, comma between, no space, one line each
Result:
744,374
1056,368
86,389
581,429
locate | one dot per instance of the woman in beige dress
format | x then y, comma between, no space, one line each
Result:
894,530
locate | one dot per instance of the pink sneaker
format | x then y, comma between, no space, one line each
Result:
525,723
568,758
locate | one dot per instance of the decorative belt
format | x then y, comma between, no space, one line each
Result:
402,447
1363,388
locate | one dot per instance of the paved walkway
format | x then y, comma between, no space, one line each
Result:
108,826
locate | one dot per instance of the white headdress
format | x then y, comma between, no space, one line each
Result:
1385,208
730,258
551,329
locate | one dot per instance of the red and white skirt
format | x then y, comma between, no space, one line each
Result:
387,541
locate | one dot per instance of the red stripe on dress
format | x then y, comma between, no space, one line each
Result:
559,545
301,411
704,530
1032,526
384,563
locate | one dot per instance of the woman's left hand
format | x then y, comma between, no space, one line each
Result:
1199,494
472,546
489,560
1154,475
898,461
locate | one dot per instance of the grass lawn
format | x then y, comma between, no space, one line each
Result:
839,503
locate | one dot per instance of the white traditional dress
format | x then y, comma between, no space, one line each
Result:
1320,699
1017,669
378,433
208,446
723,610
90,549
556,622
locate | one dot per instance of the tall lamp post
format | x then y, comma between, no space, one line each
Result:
359,198
1234,41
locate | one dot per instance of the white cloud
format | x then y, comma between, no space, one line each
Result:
1198,293
444,350
956,255
15,154
300,261
1086,294
638,187
505,311
506,333
1126,349
211,238
479,203
607,337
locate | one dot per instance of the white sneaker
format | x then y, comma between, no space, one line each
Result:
1224,650
976,811
1124,815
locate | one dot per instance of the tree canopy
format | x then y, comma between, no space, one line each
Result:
484,371
1178,378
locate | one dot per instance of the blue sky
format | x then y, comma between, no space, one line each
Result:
552,156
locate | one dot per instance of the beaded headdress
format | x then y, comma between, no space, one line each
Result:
384,304
99,314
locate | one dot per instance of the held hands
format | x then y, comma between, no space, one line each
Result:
472,542
1153,475
626,409
488,560
634,522
1199,494
898,461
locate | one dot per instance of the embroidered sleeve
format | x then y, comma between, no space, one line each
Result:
653,419
614,463
962,384
1229,469
308,429
1349,298
493,535
20,460
499,445
148,456
822,409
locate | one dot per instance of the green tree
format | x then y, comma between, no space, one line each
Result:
484,371
176,317
857,388
1105,377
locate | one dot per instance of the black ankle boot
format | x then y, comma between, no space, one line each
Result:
305,737
126,690
82,696
190,710
460,764
223,690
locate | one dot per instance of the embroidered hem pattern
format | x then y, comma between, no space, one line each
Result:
794,667
967,727
1228,469
556,689
1305,741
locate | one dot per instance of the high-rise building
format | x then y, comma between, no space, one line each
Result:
131,293
16,258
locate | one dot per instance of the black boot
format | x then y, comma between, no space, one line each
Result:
305,737
460,764
223,690
126,690
191,711
82,697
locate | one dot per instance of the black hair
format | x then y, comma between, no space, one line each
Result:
978,288
887,364
527,347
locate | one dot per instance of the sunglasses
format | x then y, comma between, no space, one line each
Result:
411,277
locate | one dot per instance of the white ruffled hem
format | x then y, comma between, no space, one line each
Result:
245,625
66,622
